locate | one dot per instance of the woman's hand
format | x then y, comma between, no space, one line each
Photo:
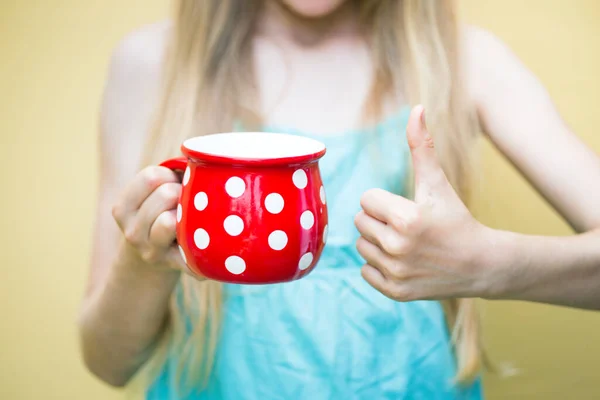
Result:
146,214
427,249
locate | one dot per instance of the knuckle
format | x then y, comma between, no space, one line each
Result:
401,293
389,246
394,244
132,235
117,212
166,220
414,220
168,193
397,220
150,176
150,255
397,272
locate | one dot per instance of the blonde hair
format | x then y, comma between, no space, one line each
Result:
209,82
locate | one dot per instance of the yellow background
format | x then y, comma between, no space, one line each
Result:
53,58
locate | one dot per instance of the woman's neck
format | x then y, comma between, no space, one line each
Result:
278,21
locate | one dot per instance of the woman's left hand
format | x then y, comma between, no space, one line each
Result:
430,248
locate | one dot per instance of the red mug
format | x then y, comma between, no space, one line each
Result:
253,207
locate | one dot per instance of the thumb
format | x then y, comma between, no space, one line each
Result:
428,172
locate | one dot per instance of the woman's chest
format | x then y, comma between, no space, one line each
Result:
317,91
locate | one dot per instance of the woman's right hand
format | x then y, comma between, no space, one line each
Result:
146,214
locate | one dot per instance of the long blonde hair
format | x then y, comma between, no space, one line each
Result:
209,81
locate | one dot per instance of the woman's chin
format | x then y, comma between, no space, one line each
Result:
312,8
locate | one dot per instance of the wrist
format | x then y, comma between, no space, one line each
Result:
131,265
494,263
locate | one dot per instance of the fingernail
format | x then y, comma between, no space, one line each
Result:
423,118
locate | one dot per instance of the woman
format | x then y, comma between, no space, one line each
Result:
342,71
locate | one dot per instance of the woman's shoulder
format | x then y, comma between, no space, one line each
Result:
488,64
141,51
482,48
134,71
131,93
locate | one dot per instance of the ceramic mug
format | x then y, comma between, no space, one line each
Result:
253,207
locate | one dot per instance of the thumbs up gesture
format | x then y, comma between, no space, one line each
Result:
428,248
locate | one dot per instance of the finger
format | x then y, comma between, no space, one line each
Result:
428,172
370,228
163,230
177,261
389,208
164,198
392,268
145,183
385,286
375,278
373,255
386,238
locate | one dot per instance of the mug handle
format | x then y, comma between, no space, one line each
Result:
175,164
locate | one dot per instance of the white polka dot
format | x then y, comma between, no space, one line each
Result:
235,187
182,255
186,176
200,201
201,238
307,219
300,179
322,194
179,213
325,233
233,225
278,240
305,261
236,265
274,203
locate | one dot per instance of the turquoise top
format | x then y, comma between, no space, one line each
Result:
330,335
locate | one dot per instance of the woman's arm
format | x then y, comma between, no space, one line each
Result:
555,270
519,117
432,248
521,120
126,302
